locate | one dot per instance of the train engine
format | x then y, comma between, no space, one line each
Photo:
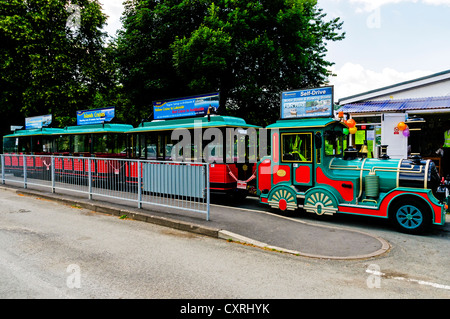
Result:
309,169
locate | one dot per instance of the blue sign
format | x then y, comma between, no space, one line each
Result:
97,116
185,107
316,102
38,121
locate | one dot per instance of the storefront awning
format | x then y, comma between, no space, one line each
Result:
429,103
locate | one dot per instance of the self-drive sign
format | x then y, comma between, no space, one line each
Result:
316,102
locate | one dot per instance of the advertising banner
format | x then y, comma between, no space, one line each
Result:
38,121
185,107
97,116
316,102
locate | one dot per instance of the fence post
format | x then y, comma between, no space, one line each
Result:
207,192
53,173
24,171
90,177
3,169
139,186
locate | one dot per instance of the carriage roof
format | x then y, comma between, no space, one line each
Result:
191,123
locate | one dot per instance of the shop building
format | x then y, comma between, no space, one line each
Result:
423,104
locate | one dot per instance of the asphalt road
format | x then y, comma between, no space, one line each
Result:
49,250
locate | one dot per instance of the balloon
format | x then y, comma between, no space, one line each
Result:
401,126
345,131
350,123
406,132
352,130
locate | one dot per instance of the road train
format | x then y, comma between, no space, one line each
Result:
306,166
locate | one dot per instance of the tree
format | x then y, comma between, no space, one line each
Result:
53,58
252,50
249,50
144,51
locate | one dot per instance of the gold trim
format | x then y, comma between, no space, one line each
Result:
281,173
361,177
398,172
425,186
360,206
369,200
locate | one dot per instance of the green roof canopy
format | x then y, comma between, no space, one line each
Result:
97,128
35,132
190,123
302,123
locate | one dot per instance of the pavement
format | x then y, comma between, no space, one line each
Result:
247,226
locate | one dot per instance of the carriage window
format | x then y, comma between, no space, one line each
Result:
297,147
82,143
24,145
63,144
109,143
10,144
150,147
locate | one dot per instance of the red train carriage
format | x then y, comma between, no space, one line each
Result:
108,141
29,142
214,139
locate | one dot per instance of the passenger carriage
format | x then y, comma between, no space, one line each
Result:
107,143
39,142
104,142
214,139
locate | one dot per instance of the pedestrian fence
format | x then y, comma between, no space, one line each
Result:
179,185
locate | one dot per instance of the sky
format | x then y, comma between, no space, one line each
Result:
387,41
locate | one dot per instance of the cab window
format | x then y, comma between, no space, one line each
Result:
334,143
297,147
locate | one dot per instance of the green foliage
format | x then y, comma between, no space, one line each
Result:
47,67
249,50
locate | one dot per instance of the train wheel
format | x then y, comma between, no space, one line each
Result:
283,198
320,202
411,216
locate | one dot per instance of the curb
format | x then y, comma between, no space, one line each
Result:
226,235
189,227
109,210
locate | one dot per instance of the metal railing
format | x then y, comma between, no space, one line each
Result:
179,185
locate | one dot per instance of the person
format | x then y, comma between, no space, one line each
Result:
446,156
447,138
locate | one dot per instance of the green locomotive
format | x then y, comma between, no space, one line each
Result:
309,169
